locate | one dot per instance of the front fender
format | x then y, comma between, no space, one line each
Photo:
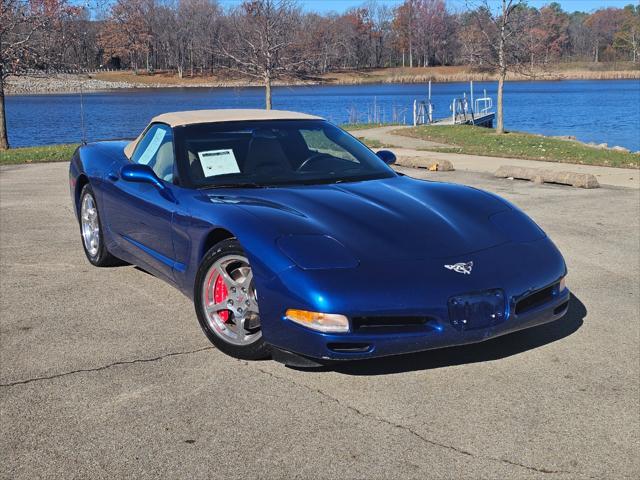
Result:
258,239
90,163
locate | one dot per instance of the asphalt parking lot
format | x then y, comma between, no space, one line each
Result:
105,373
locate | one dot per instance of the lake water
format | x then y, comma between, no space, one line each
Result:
592,110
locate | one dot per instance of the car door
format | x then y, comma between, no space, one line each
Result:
140,214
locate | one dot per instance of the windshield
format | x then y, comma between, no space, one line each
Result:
275,152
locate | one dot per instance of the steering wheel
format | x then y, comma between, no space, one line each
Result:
311,159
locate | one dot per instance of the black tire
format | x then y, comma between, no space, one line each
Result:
257,350
102,257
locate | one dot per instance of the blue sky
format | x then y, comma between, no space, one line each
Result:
324,6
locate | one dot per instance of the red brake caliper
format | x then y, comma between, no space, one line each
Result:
220,294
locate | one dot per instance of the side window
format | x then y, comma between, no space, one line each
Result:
156,150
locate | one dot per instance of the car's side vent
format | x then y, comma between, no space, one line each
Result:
535,299
368,325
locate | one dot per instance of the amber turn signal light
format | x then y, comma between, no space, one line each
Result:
323,322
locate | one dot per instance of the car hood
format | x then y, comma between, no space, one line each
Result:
395,218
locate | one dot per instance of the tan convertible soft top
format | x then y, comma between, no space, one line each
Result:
176,119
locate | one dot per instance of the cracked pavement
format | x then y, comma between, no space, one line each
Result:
105,373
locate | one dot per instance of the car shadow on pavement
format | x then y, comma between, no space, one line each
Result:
495,349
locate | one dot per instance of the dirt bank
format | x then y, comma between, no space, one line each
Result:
67,83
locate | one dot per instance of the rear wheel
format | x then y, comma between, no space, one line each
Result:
226,302
91,231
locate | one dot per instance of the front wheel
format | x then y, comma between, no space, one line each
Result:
91,231
226,302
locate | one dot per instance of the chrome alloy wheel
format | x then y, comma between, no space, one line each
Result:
230,302
90,225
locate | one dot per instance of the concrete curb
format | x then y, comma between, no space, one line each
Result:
431,165
541,175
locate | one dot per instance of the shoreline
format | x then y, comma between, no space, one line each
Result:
117,81
61,152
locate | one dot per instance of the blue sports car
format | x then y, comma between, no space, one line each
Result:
296,241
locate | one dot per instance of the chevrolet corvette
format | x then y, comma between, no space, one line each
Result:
296,241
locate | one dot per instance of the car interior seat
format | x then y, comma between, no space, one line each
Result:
265,155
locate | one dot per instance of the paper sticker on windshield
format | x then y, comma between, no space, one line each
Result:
153,146
218,162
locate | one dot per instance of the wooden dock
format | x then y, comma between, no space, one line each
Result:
481,120
464,111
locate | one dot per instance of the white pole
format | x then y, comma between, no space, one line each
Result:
375,109
429,107
415,118
471,93
464,105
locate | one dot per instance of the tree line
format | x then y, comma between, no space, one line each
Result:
190,36
269,39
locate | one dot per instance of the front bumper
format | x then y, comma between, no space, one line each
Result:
520,271
437,334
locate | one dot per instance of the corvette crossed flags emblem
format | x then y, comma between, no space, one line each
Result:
462,267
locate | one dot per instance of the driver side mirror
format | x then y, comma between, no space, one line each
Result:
139,173
387,157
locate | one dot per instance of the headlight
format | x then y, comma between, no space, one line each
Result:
323,322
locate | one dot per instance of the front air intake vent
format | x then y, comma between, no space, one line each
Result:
344,347
400,324
535,299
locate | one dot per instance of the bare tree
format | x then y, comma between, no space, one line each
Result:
604,24
127,33
502,40
324,37
16,29
403,25
26,30
261,41
431,18
628,36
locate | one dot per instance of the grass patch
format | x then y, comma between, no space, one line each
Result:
371,143
484,141
49,153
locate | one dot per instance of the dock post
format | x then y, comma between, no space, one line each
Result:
430,106
472,106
